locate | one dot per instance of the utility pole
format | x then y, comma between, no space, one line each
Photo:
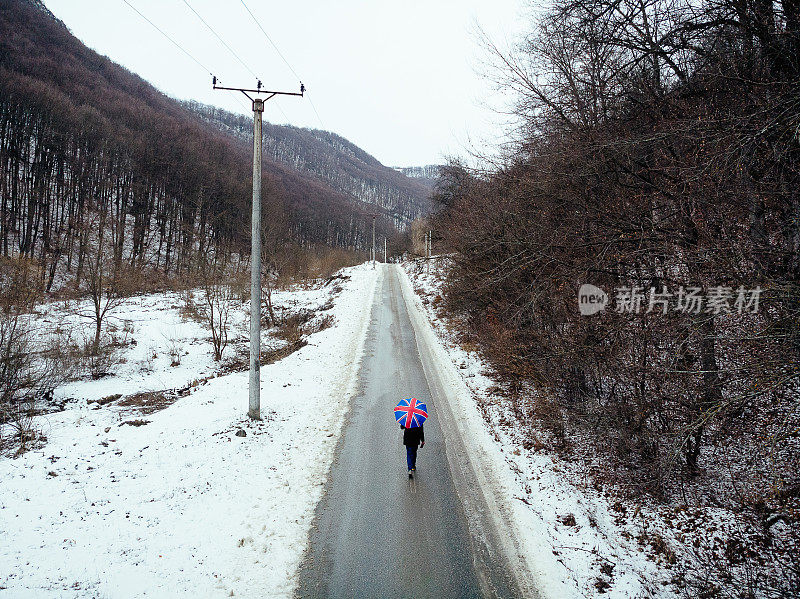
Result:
373,242
428,251
254,407
385,261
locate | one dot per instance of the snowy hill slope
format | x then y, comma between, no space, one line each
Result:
124,502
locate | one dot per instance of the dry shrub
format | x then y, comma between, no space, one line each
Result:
550,417
221,290
98,361
239,282
189,309
275,355
307,265
332,261
291,329
32,362
319,324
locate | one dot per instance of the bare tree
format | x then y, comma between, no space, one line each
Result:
103,282
220,284
30,364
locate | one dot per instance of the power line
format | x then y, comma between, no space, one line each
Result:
282,112
238,101
269,39
182,49
314,108
222,41
231,50
177,45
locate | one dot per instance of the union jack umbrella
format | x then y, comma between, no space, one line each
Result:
411,412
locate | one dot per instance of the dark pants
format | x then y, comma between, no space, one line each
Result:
411,456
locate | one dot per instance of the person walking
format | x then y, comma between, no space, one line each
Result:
413,438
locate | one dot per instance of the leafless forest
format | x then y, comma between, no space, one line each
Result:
86,145
658,149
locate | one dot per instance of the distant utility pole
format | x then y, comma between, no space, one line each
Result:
384,251
373,242
254,411
428,250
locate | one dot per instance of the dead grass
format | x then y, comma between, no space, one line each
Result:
242,361
149,402
105,400
275,355
291,329
320,325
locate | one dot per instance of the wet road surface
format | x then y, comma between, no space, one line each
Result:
377,533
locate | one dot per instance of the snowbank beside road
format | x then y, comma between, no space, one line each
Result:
181,506
563,540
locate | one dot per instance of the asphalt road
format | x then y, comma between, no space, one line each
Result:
376,533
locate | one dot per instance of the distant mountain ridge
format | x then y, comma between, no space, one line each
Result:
426,175
332,159
429,171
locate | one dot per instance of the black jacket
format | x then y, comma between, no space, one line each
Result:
413,436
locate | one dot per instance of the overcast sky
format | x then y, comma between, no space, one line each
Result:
397,78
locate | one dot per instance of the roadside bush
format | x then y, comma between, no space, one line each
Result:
292,327
222,290
32,363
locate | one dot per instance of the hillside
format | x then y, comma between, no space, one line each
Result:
331,159
84,142
426,175
631,274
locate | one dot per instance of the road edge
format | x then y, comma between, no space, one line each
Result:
493,519
347,387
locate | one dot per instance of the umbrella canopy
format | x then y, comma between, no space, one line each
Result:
411,413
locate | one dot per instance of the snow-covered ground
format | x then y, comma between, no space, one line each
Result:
181,506
121,502
576,541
